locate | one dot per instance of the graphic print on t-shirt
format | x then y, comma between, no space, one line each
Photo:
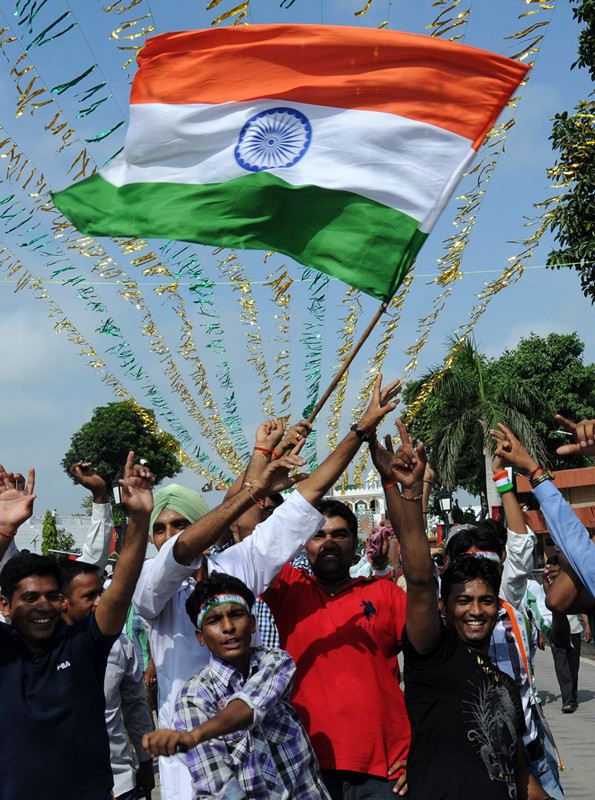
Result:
491,721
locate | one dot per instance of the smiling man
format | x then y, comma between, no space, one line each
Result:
51,674
464,711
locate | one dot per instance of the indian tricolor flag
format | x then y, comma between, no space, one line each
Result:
336,146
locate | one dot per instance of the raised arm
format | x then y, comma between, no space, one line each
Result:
98,539
16,506
199,536
423,619
137,495
565,527
320,481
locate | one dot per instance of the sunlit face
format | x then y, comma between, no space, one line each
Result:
227,632
168,524
332,550
471,611
35,610
83,596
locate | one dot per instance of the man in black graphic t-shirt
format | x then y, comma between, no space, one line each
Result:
466,715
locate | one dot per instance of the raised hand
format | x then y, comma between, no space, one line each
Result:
276,476
137,487
295,434
408,464
381,403
382,458
82,473
583,433
511,450
269,433
16,499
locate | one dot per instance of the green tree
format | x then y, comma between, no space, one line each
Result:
49,533
573,217
111,433
553,368
456,422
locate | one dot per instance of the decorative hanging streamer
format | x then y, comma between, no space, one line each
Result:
442,24
42,39
12,265
119,33
280,287
312,342
62,87
184,264
347,331
234,272
387,327
364,9
456,244
242,10
122,351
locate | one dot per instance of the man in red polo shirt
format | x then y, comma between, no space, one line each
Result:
344,635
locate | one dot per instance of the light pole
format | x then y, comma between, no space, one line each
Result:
445,503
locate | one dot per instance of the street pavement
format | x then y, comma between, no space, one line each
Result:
574,733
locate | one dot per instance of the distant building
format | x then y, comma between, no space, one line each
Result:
578,488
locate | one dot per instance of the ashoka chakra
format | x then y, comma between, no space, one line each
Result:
273,139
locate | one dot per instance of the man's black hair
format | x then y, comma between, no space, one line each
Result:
468,568
335,508
488,535
216,583
23,566
71,568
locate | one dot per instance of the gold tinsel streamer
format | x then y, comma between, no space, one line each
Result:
388,326
231,268
124,31
64,325
347,332
107,268
280,285
242,10
467,214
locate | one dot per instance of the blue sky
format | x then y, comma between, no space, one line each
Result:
49,390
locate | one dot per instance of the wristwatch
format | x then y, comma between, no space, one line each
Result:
360,433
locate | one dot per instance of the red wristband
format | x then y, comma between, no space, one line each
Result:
275,455
8,535
532,473
389,485
263,450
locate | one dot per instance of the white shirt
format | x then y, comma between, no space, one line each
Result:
164,586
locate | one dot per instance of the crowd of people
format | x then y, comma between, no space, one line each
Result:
274,652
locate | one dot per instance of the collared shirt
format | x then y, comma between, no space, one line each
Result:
164,586
126,711
273,759
55,744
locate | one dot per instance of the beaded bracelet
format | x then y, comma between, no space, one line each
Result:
417,497
249,486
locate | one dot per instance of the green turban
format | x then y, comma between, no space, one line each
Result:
185,502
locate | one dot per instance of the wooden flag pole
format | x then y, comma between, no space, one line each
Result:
348,361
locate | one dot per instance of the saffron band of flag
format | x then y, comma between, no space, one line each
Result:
336,146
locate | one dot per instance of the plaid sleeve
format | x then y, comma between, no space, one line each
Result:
209,762
269,684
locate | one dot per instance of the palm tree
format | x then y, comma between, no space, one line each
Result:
472,405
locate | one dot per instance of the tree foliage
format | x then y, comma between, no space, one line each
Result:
524,388
111,433
49,533
456,422
552,367
573,136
